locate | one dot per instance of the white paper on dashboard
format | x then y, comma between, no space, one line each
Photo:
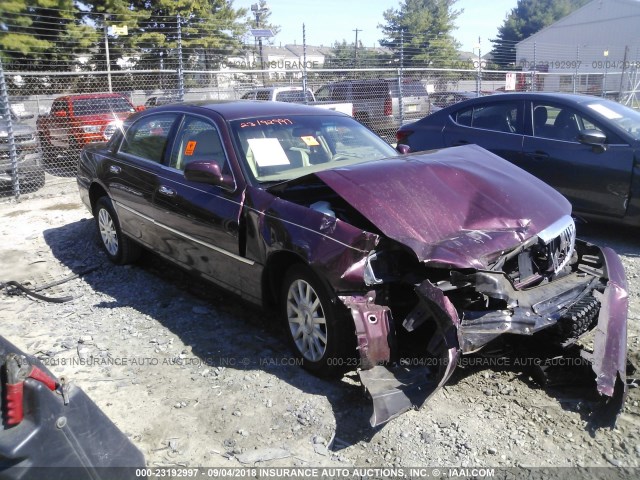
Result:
267,152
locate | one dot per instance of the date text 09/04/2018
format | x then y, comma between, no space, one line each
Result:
577,64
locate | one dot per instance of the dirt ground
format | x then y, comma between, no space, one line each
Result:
195,377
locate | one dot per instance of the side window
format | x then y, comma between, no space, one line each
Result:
323,94
148,137
263,95
59,106
197,141
559,122
464,117
340,93
499,117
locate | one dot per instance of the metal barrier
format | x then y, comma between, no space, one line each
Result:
48,117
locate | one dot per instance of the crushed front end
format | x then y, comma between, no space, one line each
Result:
419,317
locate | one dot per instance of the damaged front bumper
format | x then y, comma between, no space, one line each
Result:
593,298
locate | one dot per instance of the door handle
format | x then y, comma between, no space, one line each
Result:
115,169
538,155
169,192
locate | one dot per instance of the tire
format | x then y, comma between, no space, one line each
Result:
70,166
321,334
49,152
120,249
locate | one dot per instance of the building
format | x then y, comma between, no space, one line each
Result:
595,49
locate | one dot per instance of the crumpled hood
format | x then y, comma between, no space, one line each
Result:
458,206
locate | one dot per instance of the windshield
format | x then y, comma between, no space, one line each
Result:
282,148
96,106
621,116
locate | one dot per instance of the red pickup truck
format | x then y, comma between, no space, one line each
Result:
76,120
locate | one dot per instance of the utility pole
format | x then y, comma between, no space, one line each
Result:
106,51
479,78
624,67
356,48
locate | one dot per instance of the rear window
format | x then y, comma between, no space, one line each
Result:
364,90
414,89
295,96
410,89
263,95
97,106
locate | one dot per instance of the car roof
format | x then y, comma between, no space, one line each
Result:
273,89
238,109
575,98
81,96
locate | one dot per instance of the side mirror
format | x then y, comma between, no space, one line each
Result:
210,173
139,108
60,113
403,149
593,137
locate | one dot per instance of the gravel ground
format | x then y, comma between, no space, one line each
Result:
195,377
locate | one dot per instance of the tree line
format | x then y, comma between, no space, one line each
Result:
68,35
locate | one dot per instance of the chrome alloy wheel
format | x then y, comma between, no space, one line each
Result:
306,320
108,232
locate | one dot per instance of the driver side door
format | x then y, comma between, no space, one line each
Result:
595,180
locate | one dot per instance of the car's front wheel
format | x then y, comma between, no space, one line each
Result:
320,332
119,248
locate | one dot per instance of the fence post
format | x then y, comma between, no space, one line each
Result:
534,87
575,77
400,75
5,111
304,64
180,70
479,73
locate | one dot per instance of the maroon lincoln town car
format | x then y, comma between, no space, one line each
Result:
368,255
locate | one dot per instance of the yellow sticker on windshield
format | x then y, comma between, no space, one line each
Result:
310,141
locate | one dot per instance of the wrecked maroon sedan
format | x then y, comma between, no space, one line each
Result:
371,258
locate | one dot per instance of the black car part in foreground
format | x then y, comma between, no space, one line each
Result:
51,429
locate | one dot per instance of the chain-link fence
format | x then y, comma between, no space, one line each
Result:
54,102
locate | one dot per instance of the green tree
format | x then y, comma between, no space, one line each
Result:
421,31
209,30
43,34
527,18
343,55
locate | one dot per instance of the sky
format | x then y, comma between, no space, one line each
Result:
327,21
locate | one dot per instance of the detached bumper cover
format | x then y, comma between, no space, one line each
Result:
609,358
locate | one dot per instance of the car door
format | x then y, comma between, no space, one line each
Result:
199,223
595,180
131,173
495,125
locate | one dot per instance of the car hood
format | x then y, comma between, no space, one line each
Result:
459,207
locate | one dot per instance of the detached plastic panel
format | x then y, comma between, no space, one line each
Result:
57,441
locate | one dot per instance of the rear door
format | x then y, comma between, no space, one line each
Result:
497,126
132,173
198,223
594,180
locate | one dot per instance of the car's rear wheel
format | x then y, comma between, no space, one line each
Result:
321,334
119,248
